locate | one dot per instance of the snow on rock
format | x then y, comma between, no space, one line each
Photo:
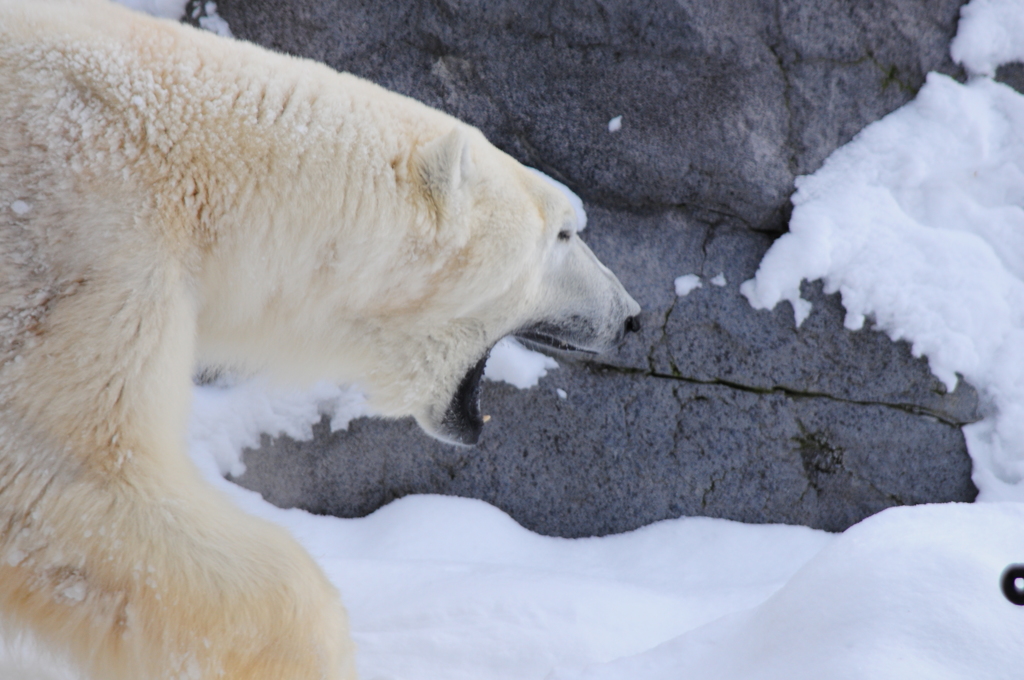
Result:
175,9
211,21
168,9
989,34
686,284
913,592
909,193
919,223
615,124
512,363
227,418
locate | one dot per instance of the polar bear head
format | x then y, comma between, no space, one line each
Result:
522,271
451,246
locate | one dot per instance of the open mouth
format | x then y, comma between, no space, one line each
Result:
462,422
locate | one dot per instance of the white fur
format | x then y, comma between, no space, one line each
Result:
169,197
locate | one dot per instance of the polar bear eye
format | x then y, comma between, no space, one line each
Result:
564,235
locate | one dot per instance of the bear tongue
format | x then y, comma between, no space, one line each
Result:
462,420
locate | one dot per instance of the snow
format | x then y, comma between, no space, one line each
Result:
686,284
912,592
441,587
231,416
615,124
919,224
175,9
20,207
213,22
719,280
512,363
168,9
989,34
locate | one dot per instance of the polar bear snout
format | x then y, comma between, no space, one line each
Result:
585,308
578,334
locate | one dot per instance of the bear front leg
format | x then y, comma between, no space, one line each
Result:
139,581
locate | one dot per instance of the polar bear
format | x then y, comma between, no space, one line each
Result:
169,198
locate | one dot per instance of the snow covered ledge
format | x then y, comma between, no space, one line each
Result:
919,223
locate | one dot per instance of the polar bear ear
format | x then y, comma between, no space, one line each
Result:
443,165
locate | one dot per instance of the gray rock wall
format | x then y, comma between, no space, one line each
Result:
714,408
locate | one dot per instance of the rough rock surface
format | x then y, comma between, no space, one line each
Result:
715,408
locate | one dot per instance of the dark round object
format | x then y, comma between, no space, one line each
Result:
633,324
1009,581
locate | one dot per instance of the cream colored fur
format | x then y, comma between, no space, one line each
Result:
169,198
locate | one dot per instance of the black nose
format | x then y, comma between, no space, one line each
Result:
633,324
